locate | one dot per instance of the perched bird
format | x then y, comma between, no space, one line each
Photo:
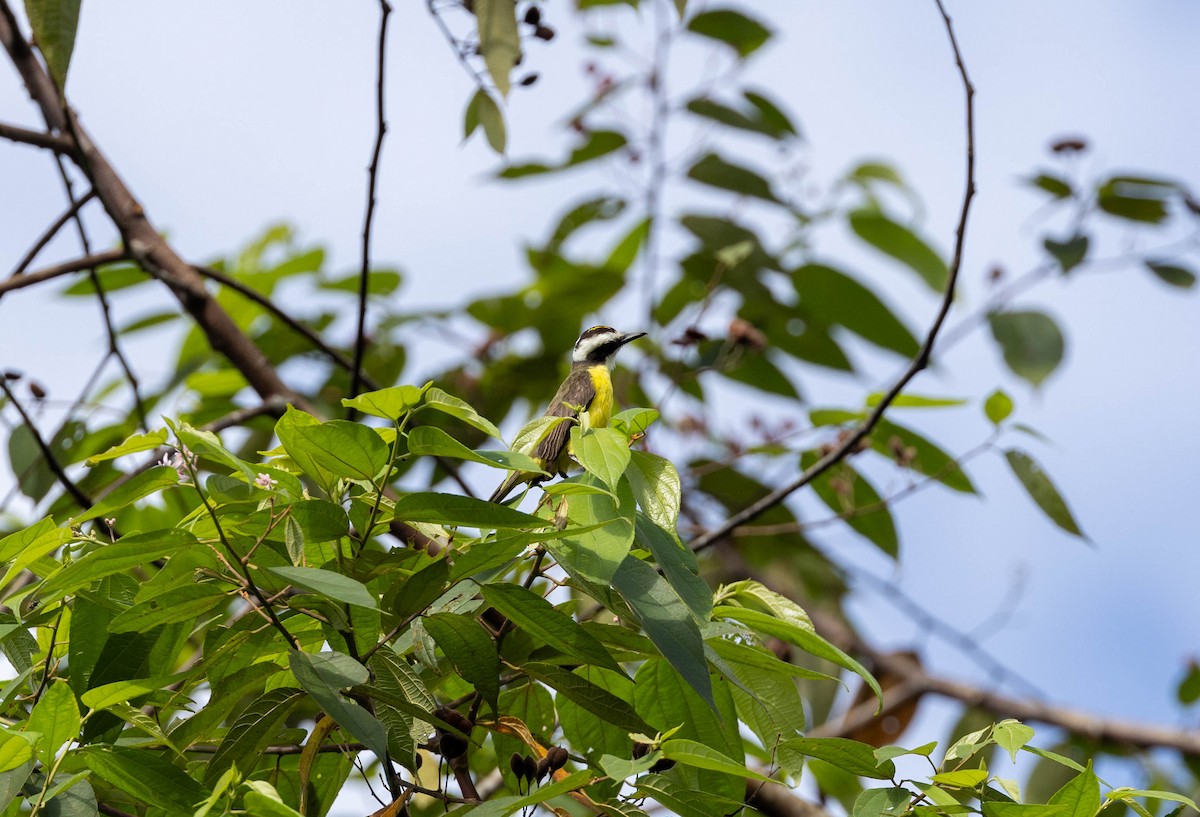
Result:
587,389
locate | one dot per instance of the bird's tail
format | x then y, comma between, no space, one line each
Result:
510,482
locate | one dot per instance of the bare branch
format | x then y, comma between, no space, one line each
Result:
41,139
82,499
364,279
58,270
850,441
52,231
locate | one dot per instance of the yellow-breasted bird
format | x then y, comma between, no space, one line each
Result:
587,389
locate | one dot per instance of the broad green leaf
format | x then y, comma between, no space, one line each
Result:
714,171
1172,274
391,403
31,545
177,604
1039,487
902,244
882,802
797,635
696,754
252,731
439,400
679,798
961,778
324,676
499,40
129,551
1012,735
406,731
450,509
12,781
1188,691
54,24
1080,795
483,110
914,401
756,120
1134,199
106,695
432,441
422,588
56,717
1127,795
16,750
470,650
131,445
605,537
833,297
1056,186
548,625
599,143
263,801
850,755
928,459
849,494
328,583
503,806
142,485
742,33
892,752
679,567
1070,253
667,621
146,776
601,451
993,808
21,540
656,488
597,732
998,407
341,448
585,694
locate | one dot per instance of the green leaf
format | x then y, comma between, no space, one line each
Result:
914,401
330,584
716,172
337,447
744,34
1012,736
470,649
594,553
882,802
460,409
131,445
176,604
656,488
1135,199
667,621
107,695
995,808
1039,487
1172,274
679,567
252,731
1080,795
548,625
422,589
849,494
1056,186
598,144
324,676
850,755
833,297
1189,688
128,551
998,407
1127,795
483,110
503,806
902,244
1069,253
54,24
15,750
1032,344
56,717
499,40
961,778
13,780
601,451
146,776
929,459
692,753
142,485
390,403
800,636
752,121
589,696
433,442
449,509
263,800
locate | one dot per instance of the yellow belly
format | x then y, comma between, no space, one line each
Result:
600,409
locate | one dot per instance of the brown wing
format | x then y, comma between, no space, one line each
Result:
576,392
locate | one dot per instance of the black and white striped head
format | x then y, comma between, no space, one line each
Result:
600,343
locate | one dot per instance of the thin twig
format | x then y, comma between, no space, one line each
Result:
58,270
41,139
283,317
364,274
848,444
52,462
51,231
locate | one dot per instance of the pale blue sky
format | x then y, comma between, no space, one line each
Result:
225,116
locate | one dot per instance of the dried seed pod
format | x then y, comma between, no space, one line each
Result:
544,33
530,768
37,390
557,758
451,746
543,769
533,16
663,765
1069,145
516,765
528,79
640,750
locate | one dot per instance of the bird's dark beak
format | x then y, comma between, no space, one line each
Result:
631,336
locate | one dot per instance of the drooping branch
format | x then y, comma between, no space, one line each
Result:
848,443
58,270
51,231
60,473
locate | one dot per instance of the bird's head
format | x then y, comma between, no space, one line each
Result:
600,343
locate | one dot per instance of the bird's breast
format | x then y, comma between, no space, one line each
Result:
600,409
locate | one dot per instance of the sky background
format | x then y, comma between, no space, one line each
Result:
226,116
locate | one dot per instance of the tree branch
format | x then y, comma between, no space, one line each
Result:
52,231
87,262
364,275
82,499
848,443
41,139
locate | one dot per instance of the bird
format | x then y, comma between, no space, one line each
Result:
587,389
